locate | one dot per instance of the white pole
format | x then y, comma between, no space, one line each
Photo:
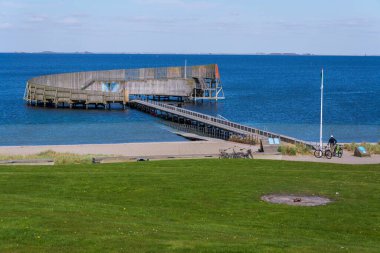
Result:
321,126
185,68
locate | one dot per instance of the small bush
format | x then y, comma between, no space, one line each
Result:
293,150
302,149
287,150
244,140
59,158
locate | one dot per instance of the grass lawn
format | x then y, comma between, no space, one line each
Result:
188,206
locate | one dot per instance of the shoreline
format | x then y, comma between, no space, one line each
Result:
209,148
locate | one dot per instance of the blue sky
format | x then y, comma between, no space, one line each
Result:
341,27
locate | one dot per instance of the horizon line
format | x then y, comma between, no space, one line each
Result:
178,53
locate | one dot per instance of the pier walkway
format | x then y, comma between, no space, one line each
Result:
200,119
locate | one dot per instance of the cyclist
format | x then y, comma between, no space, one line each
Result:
332,144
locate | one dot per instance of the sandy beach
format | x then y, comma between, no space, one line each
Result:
169,150
159,149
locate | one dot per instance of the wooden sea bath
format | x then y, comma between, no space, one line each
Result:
103,88
146,89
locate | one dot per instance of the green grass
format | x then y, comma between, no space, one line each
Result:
188,206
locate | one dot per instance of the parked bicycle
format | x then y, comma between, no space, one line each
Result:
338,151
325,151
235,154
224,154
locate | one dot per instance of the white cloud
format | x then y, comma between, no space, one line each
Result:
70,21
37,19
170,2
180,4
156,20
4,26
12,4
325,24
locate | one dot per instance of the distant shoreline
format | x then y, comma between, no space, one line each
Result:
168,53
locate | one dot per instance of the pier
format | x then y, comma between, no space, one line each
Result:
209,125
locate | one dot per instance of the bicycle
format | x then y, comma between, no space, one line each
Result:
223,154
318,153
338,151
235,155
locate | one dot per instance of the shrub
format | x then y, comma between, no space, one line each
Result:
293,150
244,140
59,158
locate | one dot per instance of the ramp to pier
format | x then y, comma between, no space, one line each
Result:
226,125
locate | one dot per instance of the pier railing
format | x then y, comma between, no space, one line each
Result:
217,122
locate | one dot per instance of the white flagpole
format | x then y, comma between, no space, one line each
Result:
320,129
185,68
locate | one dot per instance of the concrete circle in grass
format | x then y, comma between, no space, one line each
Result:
296,200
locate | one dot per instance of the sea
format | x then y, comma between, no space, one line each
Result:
277,93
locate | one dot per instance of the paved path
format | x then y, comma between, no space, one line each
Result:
347,158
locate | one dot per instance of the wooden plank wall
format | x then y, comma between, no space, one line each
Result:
79,80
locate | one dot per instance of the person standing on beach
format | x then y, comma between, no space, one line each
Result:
332,143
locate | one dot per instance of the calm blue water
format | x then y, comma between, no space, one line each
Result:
276,93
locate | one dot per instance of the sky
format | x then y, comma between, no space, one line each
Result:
329,27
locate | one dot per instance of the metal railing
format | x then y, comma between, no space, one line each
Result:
212,120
